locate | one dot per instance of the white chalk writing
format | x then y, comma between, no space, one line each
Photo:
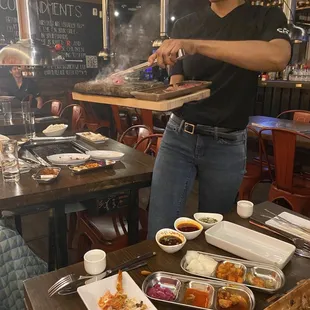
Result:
59,9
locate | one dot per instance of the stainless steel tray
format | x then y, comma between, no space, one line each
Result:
103,164
37,175
178,284
261,270
158,94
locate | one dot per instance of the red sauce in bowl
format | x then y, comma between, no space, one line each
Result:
187,227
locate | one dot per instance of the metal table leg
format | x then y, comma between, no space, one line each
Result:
58,232
133,217
51,241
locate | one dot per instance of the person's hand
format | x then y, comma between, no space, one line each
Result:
167,53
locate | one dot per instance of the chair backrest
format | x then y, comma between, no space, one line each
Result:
121,119
56,106
259,143
90,113
140,131
284,149
298,115
145,143
77,117
302,117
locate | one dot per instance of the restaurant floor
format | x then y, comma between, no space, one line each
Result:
36,235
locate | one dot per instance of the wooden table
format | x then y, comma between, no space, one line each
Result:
17,127
132,173
146,107
36,289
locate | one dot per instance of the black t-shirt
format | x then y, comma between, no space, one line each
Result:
233,89
28,87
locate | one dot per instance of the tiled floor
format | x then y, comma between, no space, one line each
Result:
35,227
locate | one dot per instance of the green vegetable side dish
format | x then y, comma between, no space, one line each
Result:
208,220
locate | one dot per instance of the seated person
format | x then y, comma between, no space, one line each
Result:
21,87
18,263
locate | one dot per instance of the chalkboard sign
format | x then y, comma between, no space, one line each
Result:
73,28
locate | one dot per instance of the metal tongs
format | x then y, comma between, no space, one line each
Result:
143,66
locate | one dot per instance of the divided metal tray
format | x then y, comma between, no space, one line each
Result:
178,284
159,94
266,272
37,176
79,169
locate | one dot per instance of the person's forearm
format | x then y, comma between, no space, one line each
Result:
251,55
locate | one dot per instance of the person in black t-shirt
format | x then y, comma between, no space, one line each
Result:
21,87
227,43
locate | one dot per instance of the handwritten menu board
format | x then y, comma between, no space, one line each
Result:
73,28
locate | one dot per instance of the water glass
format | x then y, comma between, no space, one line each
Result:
29,122
9,161
25,105
7,112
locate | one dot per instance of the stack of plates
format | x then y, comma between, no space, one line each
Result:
103,155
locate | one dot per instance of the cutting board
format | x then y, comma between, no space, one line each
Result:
162,106
297,299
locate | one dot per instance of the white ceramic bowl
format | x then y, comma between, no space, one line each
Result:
170,248
200,215
55,133
245,208
188,235
95,262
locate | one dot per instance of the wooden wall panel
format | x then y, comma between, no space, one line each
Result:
305,99
276,102
295,99
271,101
286,97
267,101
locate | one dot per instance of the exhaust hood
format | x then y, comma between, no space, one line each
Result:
28,51
105,53
164,17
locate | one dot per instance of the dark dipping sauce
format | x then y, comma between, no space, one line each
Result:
170,240
187,227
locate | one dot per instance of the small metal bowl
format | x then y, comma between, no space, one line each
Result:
38,175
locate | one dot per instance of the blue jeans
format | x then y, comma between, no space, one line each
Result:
219,164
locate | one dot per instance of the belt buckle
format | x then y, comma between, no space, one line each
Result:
189,128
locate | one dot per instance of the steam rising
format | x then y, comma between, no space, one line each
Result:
133,41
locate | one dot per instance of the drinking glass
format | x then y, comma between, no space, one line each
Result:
25,105
29,122
6,111
9,161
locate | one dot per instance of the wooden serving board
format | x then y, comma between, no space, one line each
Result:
296,299
163,106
